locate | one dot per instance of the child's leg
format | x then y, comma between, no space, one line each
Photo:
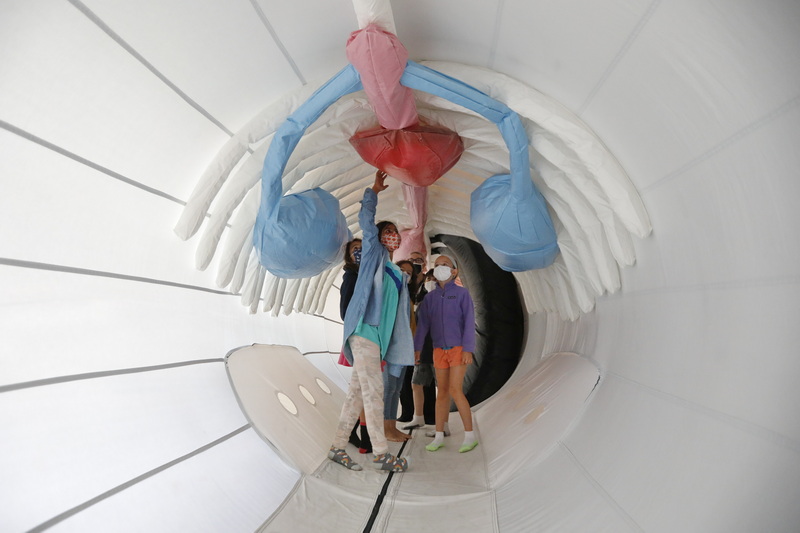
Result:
406,397
419,399
367,364
350,409
352,406
391,397
422,374
418,420
442,397
365,445
457,374
456,381
442,408
429,408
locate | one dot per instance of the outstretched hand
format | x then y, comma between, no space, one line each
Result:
379,185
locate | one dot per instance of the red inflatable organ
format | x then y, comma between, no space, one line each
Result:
417,155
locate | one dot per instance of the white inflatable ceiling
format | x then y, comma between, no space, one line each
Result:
119,121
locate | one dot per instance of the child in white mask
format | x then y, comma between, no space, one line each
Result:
448,313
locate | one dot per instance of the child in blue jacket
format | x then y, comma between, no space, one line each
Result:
376,328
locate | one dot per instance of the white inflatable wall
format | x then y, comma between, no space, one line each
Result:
115,406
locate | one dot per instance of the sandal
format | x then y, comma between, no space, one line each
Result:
390,463
338,455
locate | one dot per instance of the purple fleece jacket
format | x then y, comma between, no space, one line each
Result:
449,315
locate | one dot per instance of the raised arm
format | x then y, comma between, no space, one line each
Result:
369,204
380,182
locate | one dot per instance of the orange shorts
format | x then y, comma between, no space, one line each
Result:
447,358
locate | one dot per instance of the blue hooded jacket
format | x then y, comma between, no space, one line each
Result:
367,299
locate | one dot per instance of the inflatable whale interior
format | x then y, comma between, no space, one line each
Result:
169,341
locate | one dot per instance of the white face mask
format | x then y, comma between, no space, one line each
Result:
430,286
442,272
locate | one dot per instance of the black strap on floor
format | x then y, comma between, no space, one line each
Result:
377,507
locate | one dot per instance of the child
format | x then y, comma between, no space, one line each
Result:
448,313
422,383
369,330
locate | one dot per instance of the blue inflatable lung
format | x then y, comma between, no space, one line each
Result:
516,231
305,239
300,235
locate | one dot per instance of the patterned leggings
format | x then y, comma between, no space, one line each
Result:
366,390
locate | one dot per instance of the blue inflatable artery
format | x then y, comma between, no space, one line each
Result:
508,214
300,235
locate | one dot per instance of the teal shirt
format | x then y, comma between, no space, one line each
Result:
382,334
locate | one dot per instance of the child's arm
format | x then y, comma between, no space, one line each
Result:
369,204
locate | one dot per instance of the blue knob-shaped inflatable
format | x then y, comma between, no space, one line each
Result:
306,236
513,225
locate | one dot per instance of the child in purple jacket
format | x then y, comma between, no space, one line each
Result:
447,312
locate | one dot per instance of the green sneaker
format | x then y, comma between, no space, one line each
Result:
433,447
467,447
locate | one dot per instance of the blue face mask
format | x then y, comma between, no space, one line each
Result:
356,255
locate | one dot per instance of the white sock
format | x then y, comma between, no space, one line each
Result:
469,437
439,438
417,420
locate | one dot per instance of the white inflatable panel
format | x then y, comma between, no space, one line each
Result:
161,414
227,37
228,487
129,120
290,403
557,495
525,420
709,452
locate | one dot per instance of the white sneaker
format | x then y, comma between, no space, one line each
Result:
415,423
432,432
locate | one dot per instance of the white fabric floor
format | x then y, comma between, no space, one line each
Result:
446,490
